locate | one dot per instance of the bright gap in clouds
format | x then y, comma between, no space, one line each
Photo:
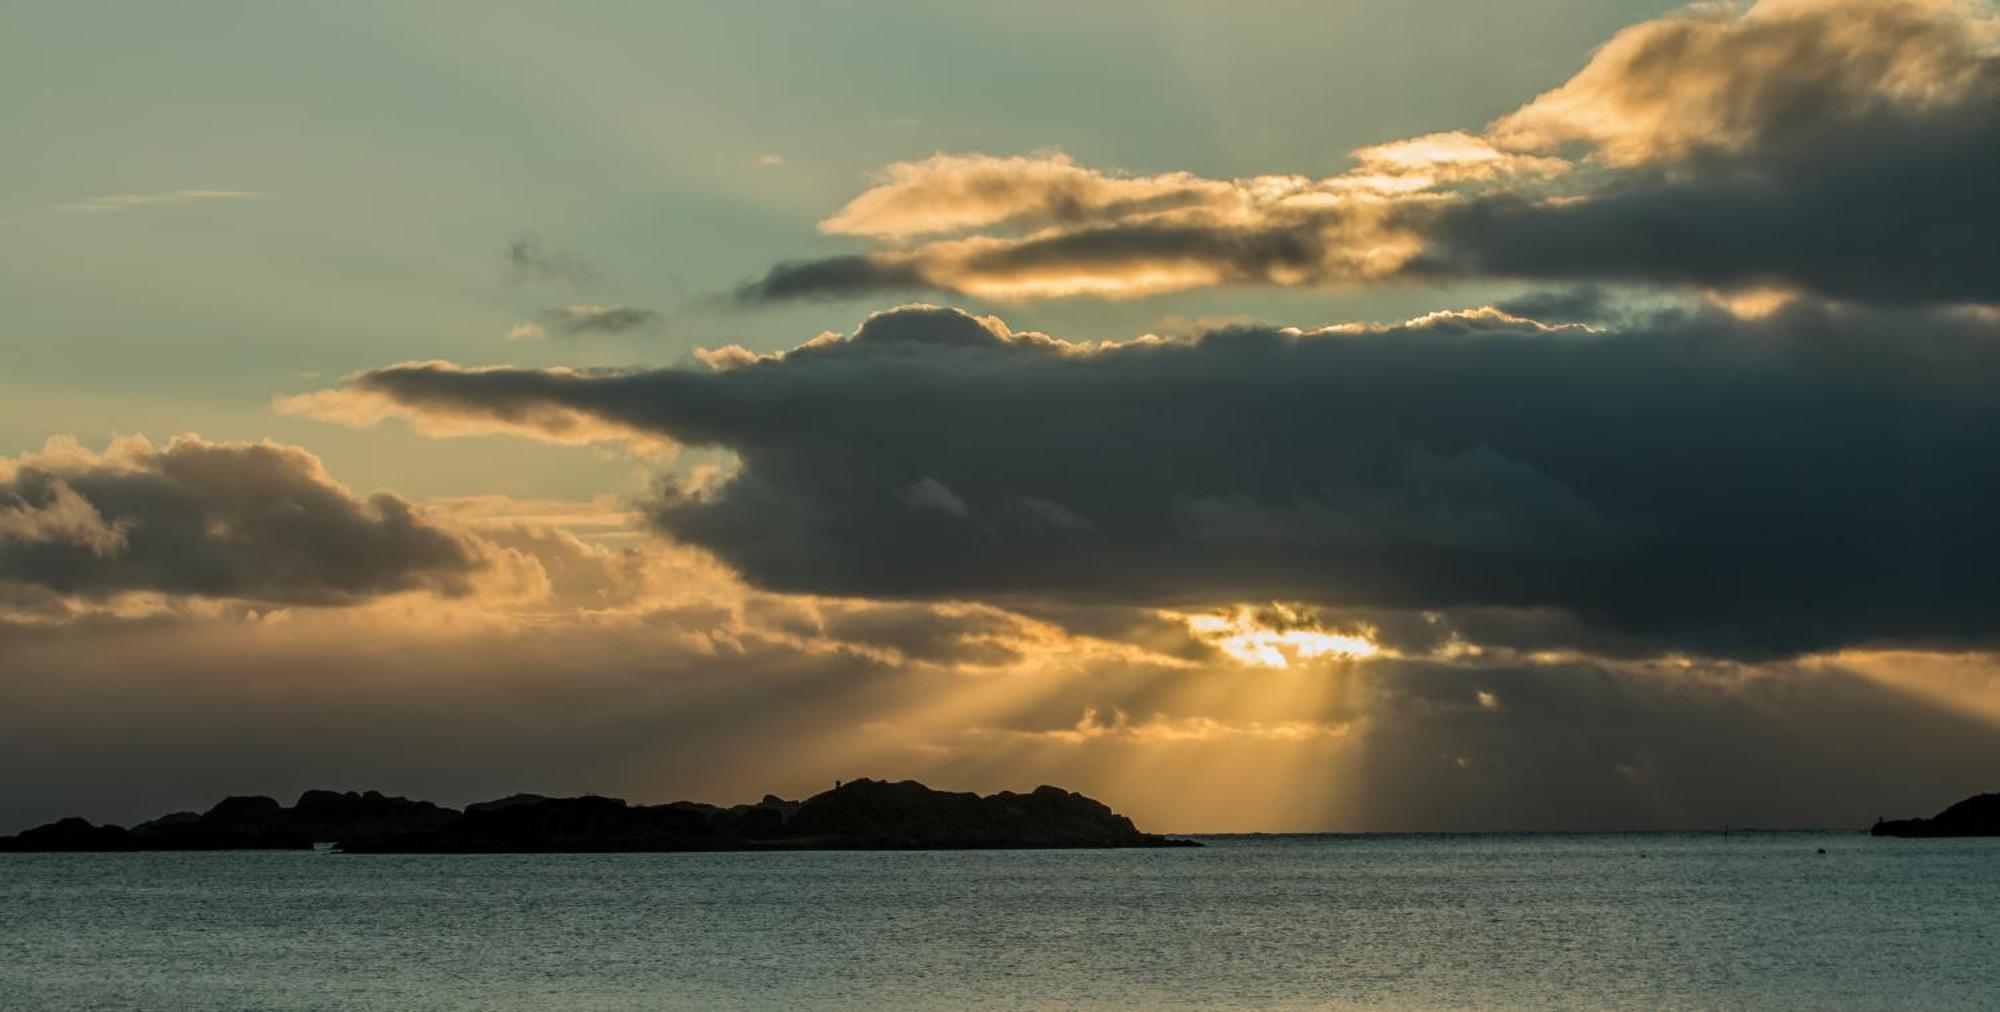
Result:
1249,638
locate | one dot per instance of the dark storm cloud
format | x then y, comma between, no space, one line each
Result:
529,260
1841,147
1811,480
1897,210
254,521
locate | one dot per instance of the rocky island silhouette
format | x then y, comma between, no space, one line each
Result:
857,815
1978,815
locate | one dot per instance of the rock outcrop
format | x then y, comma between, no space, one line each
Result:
876,814
860,815
72,834
1978,815
250,823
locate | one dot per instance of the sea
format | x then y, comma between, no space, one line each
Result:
1743,920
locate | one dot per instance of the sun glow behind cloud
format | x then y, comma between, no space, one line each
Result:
1244,635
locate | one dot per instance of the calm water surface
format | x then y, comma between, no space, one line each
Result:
1757,920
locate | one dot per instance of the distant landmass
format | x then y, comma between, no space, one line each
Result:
1978,815
858,815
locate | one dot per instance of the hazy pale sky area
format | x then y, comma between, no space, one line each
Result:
1337,415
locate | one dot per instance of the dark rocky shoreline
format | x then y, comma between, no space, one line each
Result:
858,815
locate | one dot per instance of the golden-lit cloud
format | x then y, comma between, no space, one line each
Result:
1054,229
61,517
365,405
1715,78
1706,149
1452,156
1278,636
582,517
950,193
1162,730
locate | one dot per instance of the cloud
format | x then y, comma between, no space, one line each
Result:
583,319
1891,211
833,278
932,494
1577,304
1713,80
1837,147
1449,157
1696,483
1163,730
529,260
1279,636
129,201
250,521
62,517
949,193
1069,230
373,397
577,320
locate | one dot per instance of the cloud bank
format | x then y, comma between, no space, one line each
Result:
1805,481
252,521
1842,148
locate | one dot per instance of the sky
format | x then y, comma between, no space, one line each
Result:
1345,416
